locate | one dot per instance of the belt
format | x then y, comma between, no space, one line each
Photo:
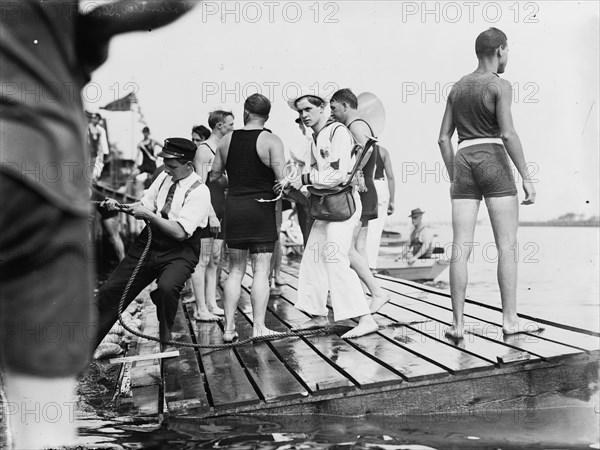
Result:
379,179
477,141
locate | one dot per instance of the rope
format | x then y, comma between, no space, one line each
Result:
301,333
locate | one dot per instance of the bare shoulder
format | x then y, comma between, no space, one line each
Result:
268,140
359,127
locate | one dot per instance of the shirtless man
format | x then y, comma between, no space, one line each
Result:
344,108
478,108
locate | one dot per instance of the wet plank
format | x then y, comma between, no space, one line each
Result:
388,354
315,372
485,323
450,358
145,375
226,378
272,378
184,383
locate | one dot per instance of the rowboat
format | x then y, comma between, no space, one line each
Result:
420,270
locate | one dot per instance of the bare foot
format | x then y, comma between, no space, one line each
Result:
378,302
366,325
315,322
230,336
260,331
275,292
216,310
206,316
520,326
455,331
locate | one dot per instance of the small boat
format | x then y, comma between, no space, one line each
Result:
420,270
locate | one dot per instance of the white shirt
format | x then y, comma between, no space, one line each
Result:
191,214
331,156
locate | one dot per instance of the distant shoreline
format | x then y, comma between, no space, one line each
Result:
561,223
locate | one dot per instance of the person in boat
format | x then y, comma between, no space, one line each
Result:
421,242
176,206
205,277
46,274
479,109
254,160
321,270
344,109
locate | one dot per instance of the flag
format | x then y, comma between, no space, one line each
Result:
122,104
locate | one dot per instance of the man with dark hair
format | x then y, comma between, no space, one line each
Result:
478,108
176,207
344,108
200,134
45,47
254,161
205,277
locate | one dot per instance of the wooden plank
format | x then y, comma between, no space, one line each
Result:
450,358
145,357
486,322
270,375
355,365
184,383
226,378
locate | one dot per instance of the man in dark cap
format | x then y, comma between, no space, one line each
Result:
175,207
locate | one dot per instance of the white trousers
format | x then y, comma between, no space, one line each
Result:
376,225
325,267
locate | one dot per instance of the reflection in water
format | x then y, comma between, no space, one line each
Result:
541,423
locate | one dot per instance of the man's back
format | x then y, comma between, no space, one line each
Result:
473,100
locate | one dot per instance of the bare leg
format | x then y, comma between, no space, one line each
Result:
504,215
358,262
233,288
46,411
259,295
199,285
111,225
210,278
464,217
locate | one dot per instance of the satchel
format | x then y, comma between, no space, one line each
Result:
333,205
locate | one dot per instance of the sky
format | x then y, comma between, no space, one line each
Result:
406,53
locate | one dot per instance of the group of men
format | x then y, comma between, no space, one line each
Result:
39,213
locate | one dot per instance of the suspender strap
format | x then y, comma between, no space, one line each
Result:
192,187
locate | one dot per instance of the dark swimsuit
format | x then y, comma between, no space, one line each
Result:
368,198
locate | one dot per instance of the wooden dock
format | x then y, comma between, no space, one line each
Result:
408,367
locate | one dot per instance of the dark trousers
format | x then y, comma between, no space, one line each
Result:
171,263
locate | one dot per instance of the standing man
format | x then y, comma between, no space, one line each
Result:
146,158
325,265
50,49
204,278
254,160
176,206
344,108
478,108
385,185
98,142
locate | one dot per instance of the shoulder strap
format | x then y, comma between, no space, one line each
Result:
163,181
362,120
209,147
192,187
